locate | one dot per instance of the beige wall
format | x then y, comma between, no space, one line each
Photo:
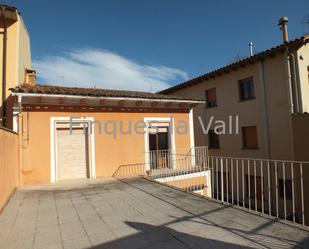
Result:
301,136
110,153
251,113
18,54
301,147
12,55
9,165
303,62
191,184
24,51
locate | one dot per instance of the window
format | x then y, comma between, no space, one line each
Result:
211,97
246,89
249,135
213,140
288,189
252,187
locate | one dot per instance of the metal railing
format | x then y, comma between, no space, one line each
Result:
136,169
168,159
163,163
272,187
185,169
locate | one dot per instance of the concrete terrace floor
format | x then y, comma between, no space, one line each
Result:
133,213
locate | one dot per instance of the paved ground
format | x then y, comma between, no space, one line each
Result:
134,213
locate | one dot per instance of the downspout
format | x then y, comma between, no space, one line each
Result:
290,98
20,139
295,86
289,80
266,113
3,8
291,85
297,83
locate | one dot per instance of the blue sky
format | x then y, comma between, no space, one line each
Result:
148,45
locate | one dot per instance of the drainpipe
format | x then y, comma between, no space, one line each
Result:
3,8
290,83
266,113
16,114
297,82
290,98
283,23
295,87
20,139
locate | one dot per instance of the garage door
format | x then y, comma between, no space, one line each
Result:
72,154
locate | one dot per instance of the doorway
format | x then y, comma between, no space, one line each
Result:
72,154
159,145
72,149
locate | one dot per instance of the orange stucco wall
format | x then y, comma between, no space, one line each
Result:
193,183
110,152
9,165
188,183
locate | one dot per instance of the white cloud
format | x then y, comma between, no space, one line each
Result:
104,69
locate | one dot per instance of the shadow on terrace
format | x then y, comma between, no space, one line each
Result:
135,213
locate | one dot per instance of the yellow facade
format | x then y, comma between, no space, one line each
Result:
109,152
18,52
9,165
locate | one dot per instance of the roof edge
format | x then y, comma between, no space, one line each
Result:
16,92
296,43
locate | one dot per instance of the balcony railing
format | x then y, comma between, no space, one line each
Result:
161,160
271,187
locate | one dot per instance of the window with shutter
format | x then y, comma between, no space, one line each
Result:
250,140
246,89
211,97
213,140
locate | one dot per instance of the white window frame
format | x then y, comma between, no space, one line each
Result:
171,132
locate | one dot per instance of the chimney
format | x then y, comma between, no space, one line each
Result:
251,49
30,76
283,23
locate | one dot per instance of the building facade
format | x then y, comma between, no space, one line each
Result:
265,96
69,133
265,92
15,56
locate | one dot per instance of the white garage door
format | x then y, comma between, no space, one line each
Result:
72,154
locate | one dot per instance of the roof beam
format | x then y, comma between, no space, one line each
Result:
83,101
183,105
154,104
121,103
138,103
168,104
102,102
39,100
61,100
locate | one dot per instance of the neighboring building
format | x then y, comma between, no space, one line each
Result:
267,91
15,56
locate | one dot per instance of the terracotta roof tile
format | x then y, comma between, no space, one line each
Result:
249,60
92,92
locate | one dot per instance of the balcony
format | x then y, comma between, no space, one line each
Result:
275,188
